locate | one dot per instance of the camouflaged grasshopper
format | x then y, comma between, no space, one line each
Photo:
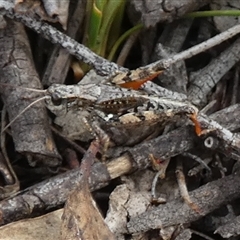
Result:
127,116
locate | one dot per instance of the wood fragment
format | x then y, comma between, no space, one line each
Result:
230,229
208,197
60,58
205,79
161,11
81,218
102,66
17,69
183,188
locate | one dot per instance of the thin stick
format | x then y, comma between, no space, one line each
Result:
183,188
13,181
101,65
197,159
165,63
154,184
201,234
126,48
198,168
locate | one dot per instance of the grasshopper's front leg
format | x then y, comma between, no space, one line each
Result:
99,134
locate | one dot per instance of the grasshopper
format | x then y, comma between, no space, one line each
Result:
130,116
127,116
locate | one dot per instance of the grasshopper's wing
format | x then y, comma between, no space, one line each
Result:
132,128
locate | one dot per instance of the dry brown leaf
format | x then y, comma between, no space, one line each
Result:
46,227
82,219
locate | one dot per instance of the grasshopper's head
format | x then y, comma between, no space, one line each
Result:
60,92
70,93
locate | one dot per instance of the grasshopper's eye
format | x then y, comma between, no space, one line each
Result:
56,99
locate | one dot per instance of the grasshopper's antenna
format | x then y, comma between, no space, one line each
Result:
25,88
23,111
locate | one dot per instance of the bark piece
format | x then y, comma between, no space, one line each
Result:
227,117
58,9
129,199
33,8
59,62
208,197
205,79
49,194
175,77
153,12
223,23
231,229
31,131
170,42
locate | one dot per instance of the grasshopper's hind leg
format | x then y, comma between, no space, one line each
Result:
100,135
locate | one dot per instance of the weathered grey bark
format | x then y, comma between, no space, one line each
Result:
230,229
59,62
202,82
101,65
31,131
208,198
153,12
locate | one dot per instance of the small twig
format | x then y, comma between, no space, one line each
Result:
218,164
126,48
161,167
205,79
183,187
165,63
102,66
197,159
70,142
208,197
154,183
199,168
201,235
